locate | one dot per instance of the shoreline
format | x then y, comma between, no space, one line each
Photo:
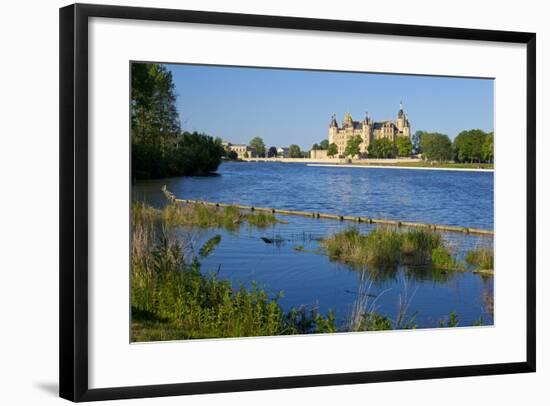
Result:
391,163
374,166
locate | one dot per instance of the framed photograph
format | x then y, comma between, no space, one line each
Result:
257,202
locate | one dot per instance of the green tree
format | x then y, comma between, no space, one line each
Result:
436,147
321,146
488,148
332,149
468,145
154,120
352,147
194,154
245,155
258,144
294,151
403,146
381,148
159,149
272,152
232,155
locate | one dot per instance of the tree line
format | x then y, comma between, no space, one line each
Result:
471,146
381,148
159,147
294,150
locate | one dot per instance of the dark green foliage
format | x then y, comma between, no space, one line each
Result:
403,146
451,321
381,148
210,245
323,145
488,151
372,321
332,149
258,144
353,146
468,146
436,147
473,146
272,152
308,320
232,155
195,154
294,151
158,147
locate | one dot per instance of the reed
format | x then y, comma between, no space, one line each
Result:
387,246
482,259
203,216
172,298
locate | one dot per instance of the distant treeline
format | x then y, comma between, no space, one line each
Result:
159,147
472,146
468,146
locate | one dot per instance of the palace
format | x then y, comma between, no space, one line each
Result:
368,130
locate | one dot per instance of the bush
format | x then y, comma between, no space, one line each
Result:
473,146
436,147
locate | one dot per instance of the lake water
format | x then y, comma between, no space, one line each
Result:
309,278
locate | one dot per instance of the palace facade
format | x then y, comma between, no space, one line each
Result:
242,150
368,130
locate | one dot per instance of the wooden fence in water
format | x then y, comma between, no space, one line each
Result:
316,215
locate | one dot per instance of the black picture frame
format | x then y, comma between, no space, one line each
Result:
73,281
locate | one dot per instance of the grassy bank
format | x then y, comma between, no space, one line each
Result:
172,299
202,216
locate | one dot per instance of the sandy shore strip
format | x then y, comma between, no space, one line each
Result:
401,167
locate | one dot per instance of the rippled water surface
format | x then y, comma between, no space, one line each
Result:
307,277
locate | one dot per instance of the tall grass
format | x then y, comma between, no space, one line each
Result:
172,299
387,246
482,259
203,216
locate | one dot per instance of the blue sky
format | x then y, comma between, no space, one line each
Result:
294,107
